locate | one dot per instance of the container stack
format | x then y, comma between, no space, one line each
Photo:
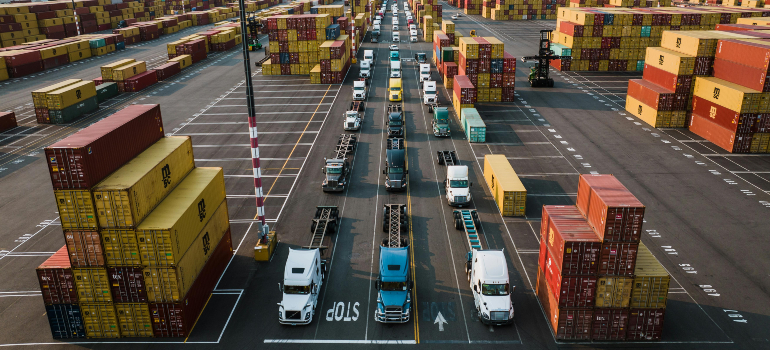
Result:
294,42
505,10
596,280
147,233
490,70
65,102
616,39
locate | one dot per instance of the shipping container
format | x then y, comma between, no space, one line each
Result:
124,72
57,283
73,112
573,245
473,125
177,319
651,281
571,292
169,284
85,248
66,321
166,234
612,210
167,70
92,284
705,127
70,95
645,324
732,96
106,91
657,118
100,320
618,259
76,209
7,121
128,195
121,247
609,324
109,68
566,323
134,319
752,53
127,284
613,291
506,188
40,96
88,156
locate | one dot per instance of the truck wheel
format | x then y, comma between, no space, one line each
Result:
439,158
459,224
476,221
430,109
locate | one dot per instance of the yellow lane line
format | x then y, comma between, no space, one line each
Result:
198,318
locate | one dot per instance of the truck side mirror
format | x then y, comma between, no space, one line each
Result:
279,287
444,183
470,184
377,284
323,169
384,172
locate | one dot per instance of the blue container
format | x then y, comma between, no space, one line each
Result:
120,46
97,43
284,58
609,19
646,31
314,10
332,32
496,66
290,11
66,321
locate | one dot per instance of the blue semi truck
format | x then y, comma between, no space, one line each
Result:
394,284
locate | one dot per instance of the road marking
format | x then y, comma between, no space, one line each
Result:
247,145
260,113
243,133
242,159
279,104
337,341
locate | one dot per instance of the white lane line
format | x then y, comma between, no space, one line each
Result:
278,97
248,145
274,105
243,133
28,238
530,157
263,175
274,122
340,341
244,159
254,195
260,113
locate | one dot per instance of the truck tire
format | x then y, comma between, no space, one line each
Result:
459,224
430,109
385,220
439,158
476,221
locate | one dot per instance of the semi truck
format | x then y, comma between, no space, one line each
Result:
337,168
424,72
441,122
306,269
354,116
395,165
457,183
394,284
429,92
395,121
359,89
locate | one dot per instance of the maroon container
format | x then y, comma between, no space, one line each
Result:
101,27
618,259
57,283
22,58
655,96
645,324
566,323
98,81
572,243
127,284
27,69
141,81
612,210
167,70
7,121
177,319
198,56
45,15
53,62
85,248
83,159
570,292
609,324
39,8
41,114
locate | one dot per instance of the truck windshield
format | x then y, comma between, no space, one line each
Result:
394,123
358,88
392,286
392,170
458,183
395,89
296,289
335,170
494,289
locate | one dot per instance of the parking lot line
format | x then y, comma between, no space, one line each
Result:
340,341
279,104
258,113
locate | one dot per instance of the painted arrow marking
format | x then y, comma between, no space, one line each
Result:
441,321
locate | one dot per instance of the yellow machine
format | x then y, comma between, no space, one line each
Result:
263,252
473,33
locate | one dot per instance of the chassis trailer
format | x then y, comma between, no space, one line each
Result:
337,168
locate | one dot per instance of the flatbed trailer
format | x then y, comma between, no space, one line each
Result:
448,158
467,220
325,224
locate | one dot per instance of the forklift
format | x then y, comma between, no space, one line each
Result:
253,24
539,74
473,33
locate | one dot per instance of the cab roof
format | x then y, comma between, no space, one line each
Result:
299,266
393,264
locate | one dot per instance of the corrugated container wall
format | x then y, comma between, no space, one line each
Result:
651,281
57,283
612,210
508,191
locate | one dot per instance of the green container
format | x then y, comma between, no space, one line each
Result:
106,91
561,50
473,125
72,113
97,43
639,66
447,54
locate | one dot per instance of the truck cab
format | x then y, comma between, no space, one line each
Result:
421,57
365,70
429,92
395,166
354,116
457,186
359,90
395,121
302,280
413,36
441,121
394,88
394,56
492,293
424,71
369,56
394,286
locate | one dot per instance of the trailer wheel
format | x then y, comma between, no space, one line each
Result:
476,221
439,158
459,223
430,109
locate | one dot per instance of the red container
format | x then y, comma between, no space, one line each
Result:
678,83
508,94
645,324
568,291
22,58
141,81
751,54
719,135
45,15
27,69
450,69
736,122
566,323
99,81
85,248
572,243
57,283
618,259
41,114
127,284
735,27
750,77
7,121
167,70
612,210
198,56
53,62
609,324
463,89
177,319
655,96
88,156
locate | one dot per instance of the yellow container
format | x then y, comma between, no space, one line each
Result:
469,48
53,51
79,55
658,119
120,247
128,71
109,68
76,209
70,95
734,97
100,320
670,61
24,17
134,319
613,291
508,191
315,74
171,47
651,281
498,48
176,221
79,46
696,43
49,22
183,60
92,285
99,51
128,195
39,97
3,74
171,284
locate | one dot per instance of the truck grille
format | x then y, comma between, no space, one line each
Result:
393,310
461,199
499,315
395,97
293,315
350,125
